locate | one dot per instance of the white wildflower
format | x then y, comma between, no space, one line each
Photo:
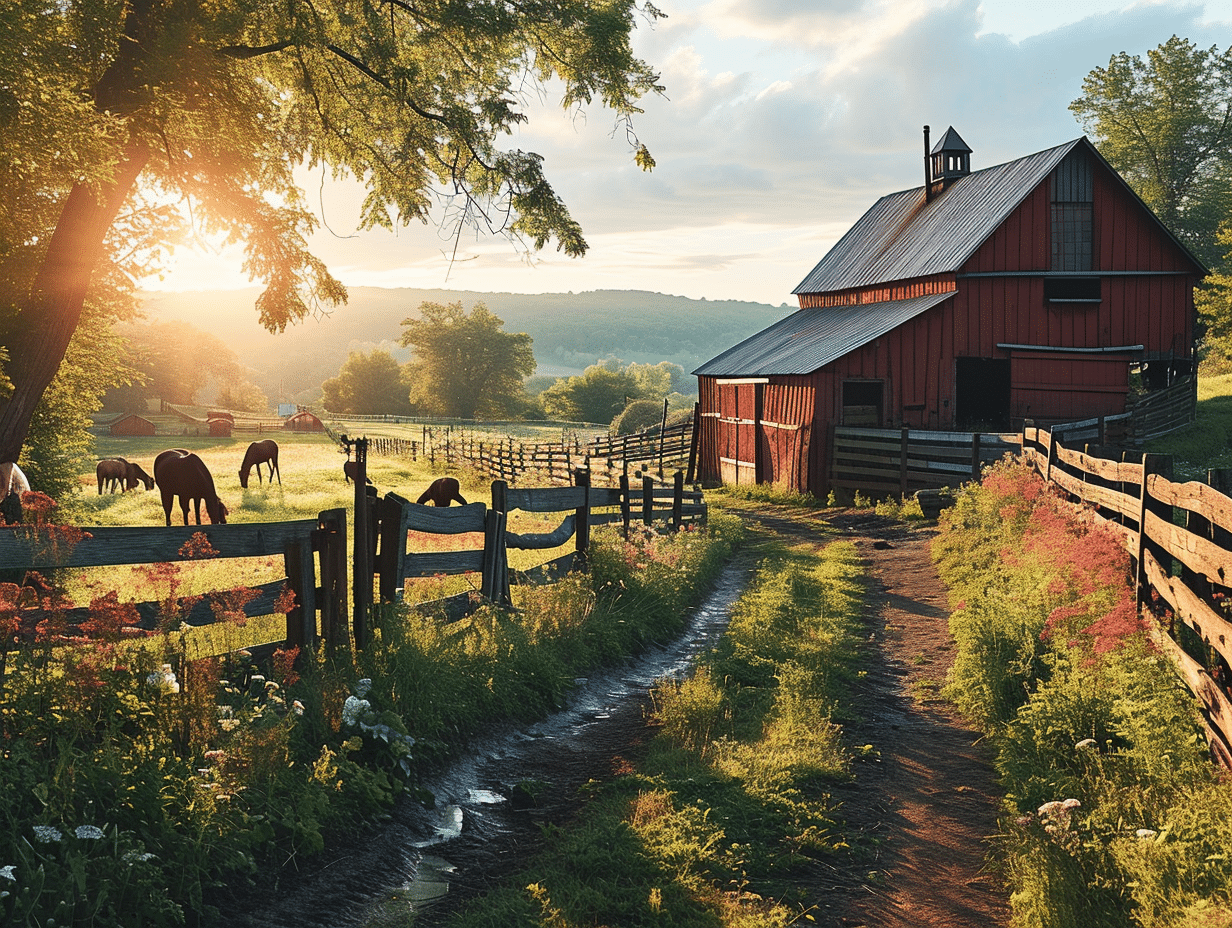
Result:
164,679
1145,833
297,707
9,872
1068,805
89,832
135,857
257,679
47,834
1049,808
363,687
1086,744
228,724
353,710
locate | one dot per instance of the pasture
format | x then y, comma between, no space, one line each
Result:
312,481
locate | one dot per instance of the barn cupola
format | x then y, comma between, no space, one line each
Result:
951,159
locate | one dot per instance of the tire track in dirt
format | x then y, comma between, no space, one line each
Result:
923,804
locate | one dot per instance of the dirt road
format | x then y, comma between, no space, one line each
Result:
924,799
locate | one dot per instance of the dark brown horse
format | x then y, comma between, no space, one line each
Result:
350,470
181,473
442,492
119,474
111,474
260,452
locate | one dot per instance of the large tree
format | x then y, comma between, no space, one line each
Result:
1166,125
368,385
596,395
466,364
111,109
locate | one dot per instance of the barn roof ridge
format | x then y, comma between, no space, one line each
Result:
904,235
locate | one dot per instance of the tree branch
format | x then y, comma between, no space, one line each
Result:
244,52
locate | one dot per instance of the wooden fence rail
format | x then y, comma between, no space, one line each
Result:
884,461
1179,536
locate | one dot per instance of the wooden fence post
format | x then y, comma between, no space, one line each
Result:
581,533
361,550
694,442
677,500
331,537
902,462
391,558
647,498
624,500
1052,455
1152,464
302,617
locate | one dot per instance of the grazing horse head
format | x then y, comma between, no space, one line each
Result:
442,492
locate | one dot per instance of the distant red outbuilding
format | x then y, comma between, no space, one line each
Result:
132,425
303,421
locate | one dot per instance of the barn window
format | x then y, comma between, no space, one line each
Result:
862,403
1072,289
1073,214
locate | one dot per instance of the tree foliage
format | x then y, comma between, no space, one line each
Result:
368,385
1166,125
465,365
112,111
596,395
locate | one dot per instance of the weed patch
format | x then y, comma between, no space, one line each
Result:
1113,812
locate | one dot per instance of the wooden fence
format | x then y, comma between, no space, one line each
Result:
607,458
315,551
901,461
1180,538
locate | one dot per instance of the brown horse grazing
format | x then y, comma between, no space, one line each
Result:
444,490
258,453
181,473
118,474
112,474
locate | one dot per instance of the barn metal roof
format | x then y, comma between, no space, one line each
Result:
809,339
903,236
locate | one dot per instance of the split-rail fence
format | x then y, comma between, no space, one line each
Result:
1179,535
314,552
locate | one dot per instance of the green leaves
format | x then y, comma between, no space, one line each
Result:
1166,125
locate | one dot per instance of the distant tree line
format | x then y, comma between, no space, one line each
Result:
464,365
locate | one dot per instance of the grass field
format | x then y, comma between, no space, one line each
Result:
312,482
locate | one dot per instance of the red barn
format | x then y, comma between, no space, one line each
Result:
132,425
303,421
1025,290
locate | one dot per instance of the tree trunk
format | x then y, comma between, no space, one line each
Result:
52,309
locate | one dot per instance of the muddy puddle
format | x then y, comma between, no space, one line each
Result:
492,802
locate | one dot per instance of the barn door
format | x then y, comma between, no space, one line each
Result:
982,394
740,405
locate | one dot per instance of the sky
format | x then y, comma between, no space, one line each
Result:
782,122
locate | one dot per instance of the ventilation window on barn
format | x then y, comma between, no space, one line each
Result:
862,403
1072,289
1073,214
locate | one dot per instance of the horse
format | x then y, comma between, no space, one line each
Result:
112,473
117,473
134,474
13,483
442,492
350,470
181,473
258,453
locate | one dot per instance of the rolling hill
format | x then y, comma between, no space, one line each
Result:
570,330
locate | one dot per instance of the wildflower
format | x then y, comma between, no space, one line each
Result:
297,707
363,687
1068,805
1086,744
164,679
9,872
215,756
89,832
228,724
134,857
47,834
1145,833
353,709
257,679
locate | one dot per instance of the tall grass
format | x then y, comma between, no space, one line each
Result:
730,807
1114,814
